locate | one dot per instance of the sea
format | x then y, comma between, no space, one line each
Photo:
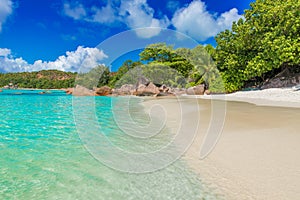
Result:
45,154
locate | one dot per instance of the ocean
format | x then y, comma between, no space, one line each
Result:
44,154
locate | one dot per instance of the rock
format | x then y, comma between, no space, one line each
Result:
148,90
196,90
177,91
126,89
207,92
296,87
69,90
82,91
142,81
164,88
1,91
140,90
282,81
103,91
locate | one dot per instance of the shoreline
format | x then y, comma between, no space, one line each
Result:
256,156
33,89
274,97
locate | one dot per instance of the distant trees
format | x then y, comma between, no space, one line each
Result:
46,79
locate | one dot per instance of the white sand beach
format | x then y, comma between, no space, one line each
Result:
282,97
257,154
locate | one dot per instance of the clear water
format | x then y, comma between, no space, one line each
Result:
42,156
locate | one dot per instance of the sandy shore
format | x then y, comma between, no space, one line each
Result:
257,154
285,97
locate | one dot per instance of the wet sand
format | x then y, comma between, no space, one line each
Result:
257,154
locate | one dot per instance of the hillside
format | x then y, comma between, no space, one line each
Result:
46,79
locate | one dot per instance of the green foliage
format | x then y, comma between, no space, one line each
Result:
96,77
126,66
46,79
182,67
158,74
161,54
266,39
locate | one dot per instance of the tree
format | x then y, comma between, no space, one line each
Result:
96,77
126,66
159,52
163,54
266,39
45,79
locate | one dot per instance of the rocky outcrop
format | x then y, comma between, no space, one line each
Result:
196,90
103,91
82,91
142,81
69,90
126,89
152,90
282,81
149,90
207,92
177,91
141,90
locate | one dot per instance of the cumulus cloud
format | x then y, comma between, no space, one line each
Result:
195,21
138,14
226,19
104,15
134,14
75,10
82,59
5,11
5,52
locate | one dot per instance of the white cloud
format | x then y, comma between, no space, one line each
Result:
138,14
195,21
5,52
75,11
104,15
226,19
5,11
133,13
82,59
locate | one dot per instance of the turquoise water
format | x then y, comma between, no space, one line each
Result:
42,156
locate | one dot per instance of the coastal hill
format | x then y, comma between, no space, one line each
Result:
46,79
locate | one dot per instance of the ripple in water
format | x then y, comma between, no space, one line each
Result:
42,156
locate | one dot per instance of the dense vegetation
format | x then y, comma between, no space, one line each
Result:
262,44
46,79
162,64
97,77
258,47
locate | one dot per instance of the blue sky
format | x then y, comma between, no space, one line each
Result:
63,34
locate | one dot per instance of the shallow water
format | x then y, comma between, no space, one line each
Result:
42,156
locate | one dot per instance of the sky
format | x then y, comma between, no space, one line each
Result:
72,35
